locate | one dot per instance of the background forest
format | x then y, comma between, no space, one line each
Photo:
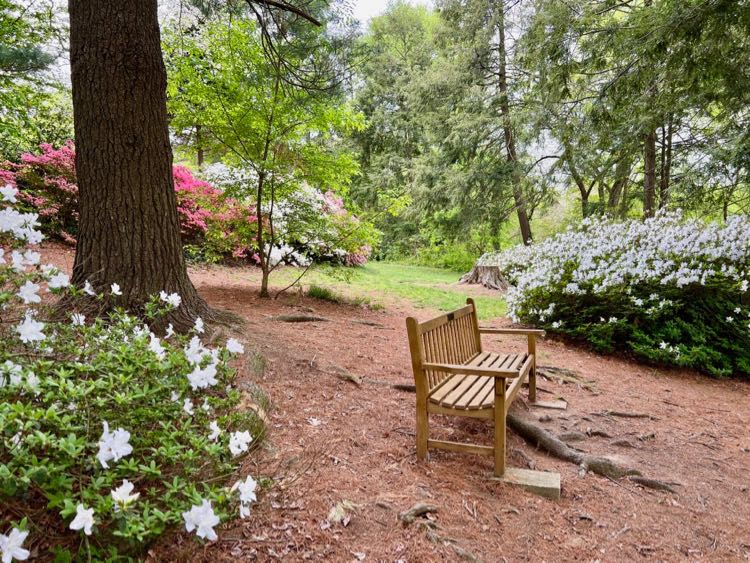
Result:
454,130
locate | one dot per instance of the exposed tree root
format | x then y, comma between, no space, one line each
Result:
420,509
299,319
625,414
566,376
653,484
549,443
488,276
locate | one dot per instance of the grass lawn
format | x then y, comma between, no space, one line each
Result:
380,282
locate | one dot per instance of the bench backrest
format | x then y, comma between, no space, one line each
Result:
452,338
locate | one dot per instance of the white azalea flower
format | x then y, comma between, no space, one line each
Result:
202,519
312,421
19,264
175,397
663,345
172,299
202,378
155,346
737,310
170,331
78,319
32,258
187,406
246,489
235,347
730,319
199,328
113,446
30,330
215,431
115,289
206,406
239,442
122,495
33,382
10,545
14,373
58,281
28,293
195,351
88,289
9,194
84,519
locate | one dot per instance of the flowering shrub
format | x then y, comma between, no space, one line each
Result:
47,186
107,431
669,290
214,227
308,224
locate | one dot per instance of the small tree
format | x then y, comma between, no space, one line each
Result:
282,134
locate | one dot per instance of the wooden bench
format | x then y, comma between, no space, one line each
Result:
455,376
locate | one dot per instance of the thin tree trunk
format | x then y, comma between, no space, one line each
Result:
666,166
622,173
129,230
199,146
585,192
510,142
649,173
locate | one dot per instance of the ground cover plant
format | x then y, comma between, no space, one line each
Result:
669,290
110,435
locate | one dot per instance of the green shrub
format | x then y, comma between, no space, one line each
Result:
105,416
668,290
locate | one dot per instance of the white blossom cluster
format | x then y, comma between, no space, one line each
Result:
605,255
25,278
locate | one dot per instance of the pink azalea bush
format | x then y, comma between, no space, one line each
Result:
214,227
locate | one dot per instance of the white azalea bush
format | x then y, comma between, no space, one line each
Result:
669,290
109,433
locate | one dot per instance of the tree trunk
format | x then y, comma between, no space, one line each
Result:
129,231
585,192
649,173
199,147
622,173
666,165
510,142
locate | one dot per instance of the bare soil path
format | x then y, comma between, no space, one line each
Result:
332,441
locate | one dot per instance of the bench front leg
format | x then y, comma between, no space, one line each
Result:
532,371
499,427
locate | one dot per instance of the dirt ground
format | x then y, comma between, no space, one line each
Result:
332,441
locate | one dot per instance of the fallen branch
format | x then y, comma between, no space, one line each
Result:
420,509
299,319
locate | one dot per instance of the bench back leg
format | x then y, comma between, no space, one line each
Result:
415,347
532,371
499,427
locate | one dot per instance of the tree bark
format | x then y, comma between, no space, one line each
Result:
666,164
129,230
622,173
649,173
200,153
510,142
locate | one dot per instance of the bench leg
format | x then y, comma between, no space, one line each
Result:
422,428
532,371
499,427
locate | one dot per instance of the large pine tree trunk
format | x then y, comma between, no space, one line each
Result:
510,140
129,229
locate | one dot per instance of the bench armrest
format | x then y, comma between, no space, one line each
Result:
471,370
523,331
